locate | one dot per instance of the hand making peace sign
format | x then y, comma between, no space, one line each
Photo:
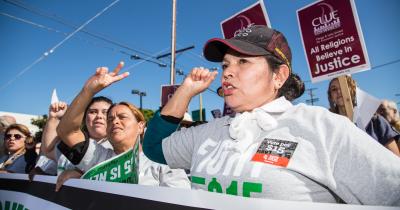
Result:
102,78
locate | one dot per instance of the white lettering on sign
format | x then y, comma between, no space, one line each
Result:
100,177
128,167
115,172
336,63
327,21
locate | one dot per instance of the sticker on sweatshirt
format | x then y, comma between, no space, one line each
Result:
275,152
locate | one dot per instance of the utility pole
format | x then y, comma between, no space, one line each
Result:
173,38
201,107
312,99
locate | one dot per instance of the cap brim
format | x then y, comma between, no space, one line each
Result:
215,49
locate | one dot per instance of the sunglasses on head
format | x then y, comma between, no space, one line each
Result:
16,136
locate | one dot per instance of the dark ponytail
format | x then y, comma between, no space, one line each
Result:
293,86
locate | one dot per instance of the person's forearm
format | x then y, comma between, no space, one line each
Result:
49,136
157,129
178,104
393,147
69,128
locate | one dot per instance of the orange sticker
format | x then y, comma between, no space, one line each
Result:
271,159
275,152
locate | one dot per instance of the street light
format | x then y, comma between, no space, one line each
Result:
141,94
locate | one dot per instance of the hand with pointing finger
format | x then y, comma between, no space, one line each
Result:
57,109
102,78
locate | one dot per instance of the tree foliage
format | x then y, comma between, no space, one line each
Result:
148,114
40,122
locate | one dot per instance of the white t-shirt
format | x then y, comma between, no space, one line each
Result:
64,164
57,167
150,173
47,165
301,153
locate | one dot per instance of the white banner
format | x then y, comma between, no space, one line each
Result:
15,189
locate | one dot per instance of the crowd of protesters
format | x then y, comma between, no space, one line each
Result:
269,149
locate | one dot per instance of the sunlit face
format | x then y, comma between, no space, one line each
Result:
336,94
247,82
122,126
96,119
388,112
14,140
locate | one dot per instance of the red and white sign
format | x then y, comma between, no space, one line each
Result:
166,93
332,39
252,15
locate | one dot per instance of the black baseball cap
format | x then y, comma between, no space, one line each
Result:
256,40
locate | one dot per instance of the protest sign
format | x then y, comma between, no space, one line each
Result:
167,91
54,97
332,39
255,14
365,109
122,168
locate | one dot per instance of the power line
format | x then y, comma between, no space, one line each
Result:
50,29
22,72
197,56
66,23
47,53
31,23
142,60
176,51
82,26
94,43
385,64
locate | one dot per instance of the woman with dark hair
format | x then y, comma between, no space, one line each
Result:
378,127
19,149
125,128
270,148
94,125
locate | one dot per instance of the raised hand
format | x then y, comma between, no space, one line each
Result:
198,80
57,109
102,78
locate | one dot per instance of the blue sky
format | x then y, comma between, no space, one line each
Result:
146,26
